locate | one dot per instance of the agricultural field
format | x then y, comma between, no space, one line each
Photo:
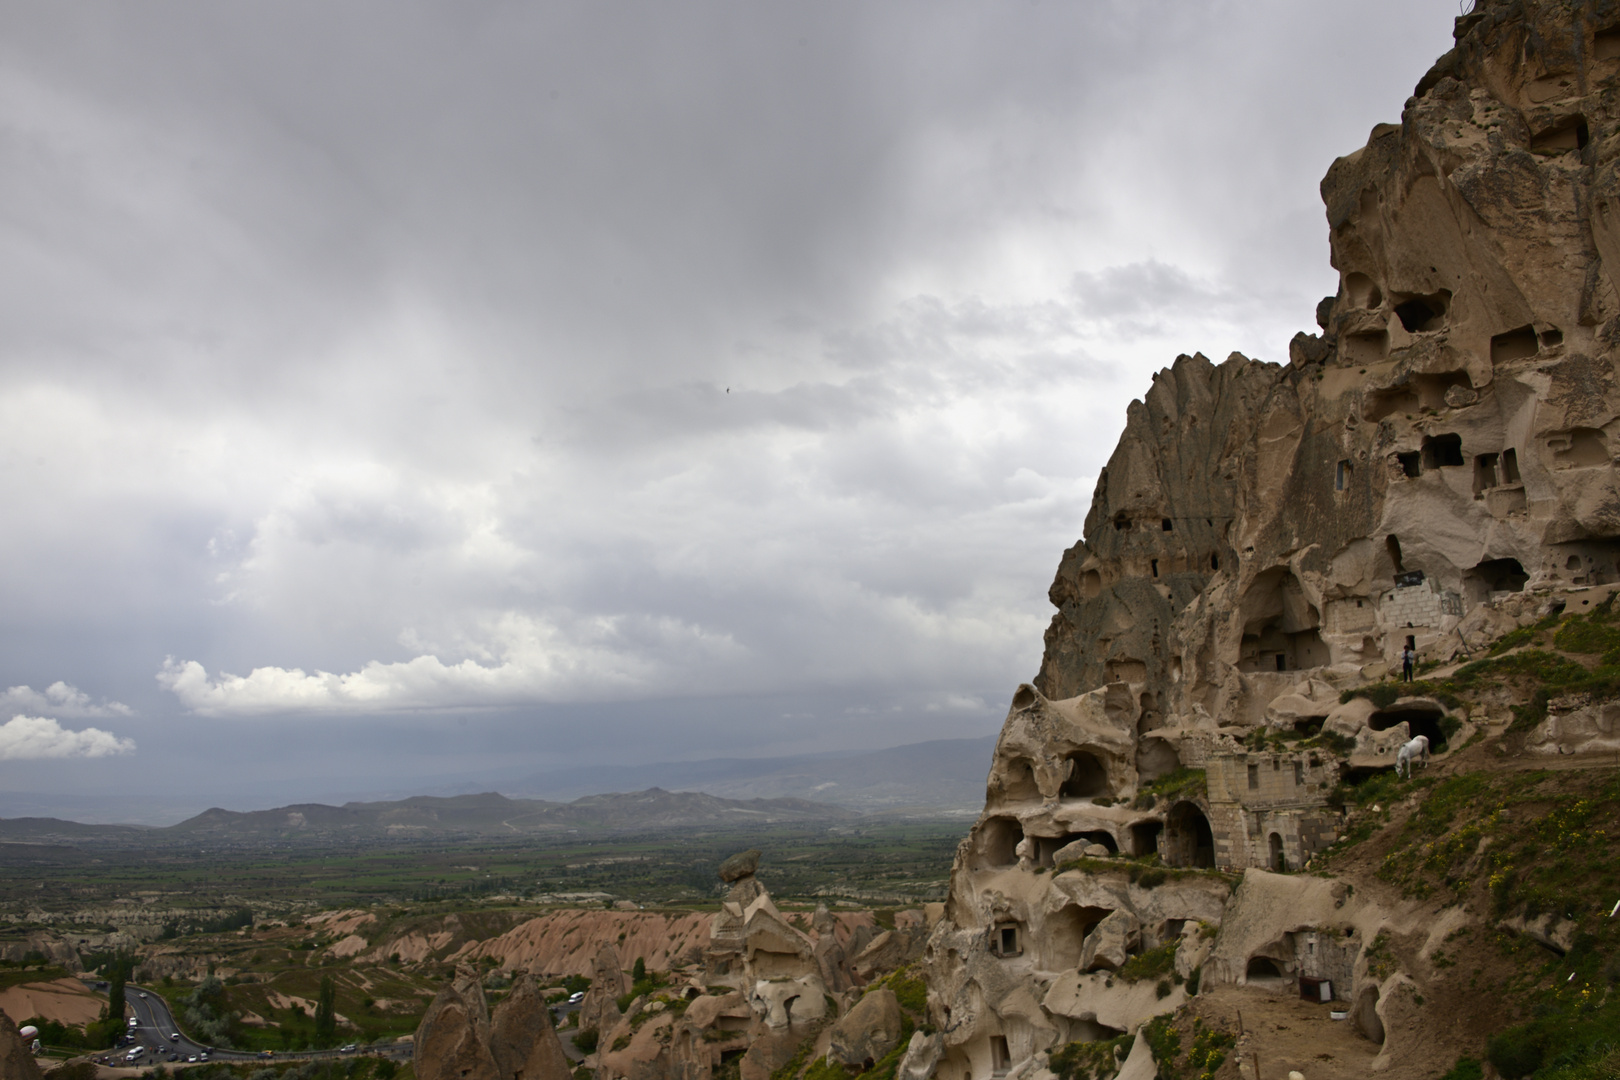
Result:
896,862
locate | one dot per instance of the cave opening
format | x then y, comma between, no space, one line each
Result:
1422,314
1188,839
1494,576
1442,451
1145,838
1087,777
1516,344
1264,971
999,838
1571,133
1366,1018
1280,625
1418,721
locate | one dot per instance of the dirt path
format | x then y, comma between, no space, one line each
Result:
1289,1034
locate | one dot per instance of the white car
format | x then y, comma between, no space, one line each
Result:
576,997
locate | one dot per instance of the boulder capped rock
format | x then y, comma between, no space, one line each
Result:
868,1031
741,865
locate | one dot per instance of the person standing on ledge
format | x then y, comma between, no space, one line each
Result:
1408,658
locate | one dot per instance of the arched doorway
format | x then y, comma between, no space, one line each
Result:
1365,1015
1277,860
1263,971
1188,839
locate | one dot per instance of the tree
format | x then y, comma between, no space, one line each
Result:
115,991
326,1011
639,972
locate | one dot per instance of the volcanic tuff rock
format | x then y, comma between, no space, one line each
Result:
16,1063
1432,470
458,1039
868,1031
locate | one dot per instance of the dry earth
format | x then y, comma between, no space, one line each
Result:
64,1000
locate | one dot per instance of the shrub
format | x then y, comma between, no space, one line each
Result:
1153,964
912,993
1514,1052
1465,1069
1089,1060
586,1040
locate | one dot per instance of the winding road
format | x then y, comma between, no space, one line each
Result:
156,1030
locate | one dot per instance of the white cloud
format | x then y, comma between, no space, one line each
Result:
60,699
32,737
529,660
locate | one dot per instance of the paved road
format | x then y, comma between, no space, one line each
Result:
155,1030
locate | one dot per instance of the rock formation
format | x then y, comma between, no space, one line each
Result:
1432,470
766,990
16,1062
459,1039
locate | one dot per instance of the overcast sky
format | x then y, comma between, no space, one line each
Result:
398,391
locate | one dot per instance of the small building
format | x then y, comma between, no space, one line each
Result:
1270,809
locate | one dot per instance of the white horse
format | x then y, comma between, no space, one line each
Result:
1418,748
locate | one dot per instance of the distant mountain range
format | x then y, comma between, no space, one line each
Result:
944,777
486,815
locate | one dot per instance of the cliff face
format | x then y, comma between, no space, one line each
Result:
1432,470
1455,417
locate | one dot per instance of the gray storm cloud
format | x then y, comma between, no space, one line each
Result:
391,360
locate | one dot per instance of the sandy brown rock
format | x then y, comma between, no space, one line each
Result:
16,1061
522,1040
452,1041
600,1008
868,1031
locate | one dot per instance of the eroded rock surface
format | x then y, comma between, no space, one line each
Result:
1432,470
16,1062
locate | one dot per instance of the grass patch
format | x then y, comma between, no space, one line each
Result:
1153,964
1090,1060
1181,784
